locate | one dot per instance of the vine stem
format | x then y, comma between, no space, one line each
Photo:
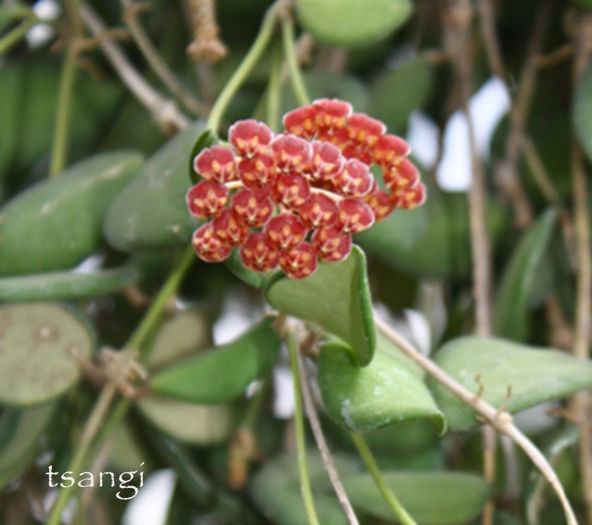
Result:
317,431
384,489
251,58
290,52
305,488
108,392
64,106
14,36
499,420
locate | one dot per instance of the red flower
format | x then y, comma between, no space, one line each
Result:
299,262
206,198
315,177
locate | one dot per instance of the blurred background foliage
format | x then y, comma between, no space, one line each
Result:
84,253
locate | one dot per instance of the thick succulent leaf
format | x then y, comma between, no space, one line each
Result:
535,375
42,346
522,283
57,223
395,93
65,285
275,489
188,422
150,213
385,392
350,22
223,373
20,430
432,498
336,297
582,112
432,240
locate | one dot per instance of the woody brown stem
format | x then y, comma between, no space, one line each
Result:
581,403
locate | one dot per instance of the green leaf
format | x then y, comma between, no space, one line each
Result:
395,93
582,112
535,375
432,498
385,392
151,213
275,489
188,422
65,285
521,283
336,297
57,223
180,336
351,22
23,428
42,346
205,140
198,379
432,240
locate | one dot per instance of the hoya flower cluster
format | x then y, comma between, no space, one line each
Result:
294,198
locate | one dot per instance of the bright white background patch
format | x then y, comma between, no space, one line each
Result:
487,107
150,506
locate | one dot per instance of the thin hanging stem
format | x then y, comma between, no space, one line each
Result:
240,75
59,149
326,456
156,62
305,488
366,455
290,53
499,420
101,407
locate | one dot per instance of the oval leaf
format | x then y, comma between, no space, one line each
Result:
396,93
188,422
385,392
582,112
57,223
350,22
41,348
150,213
535,375
65,285
336,297
432,498
198,379
522,282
